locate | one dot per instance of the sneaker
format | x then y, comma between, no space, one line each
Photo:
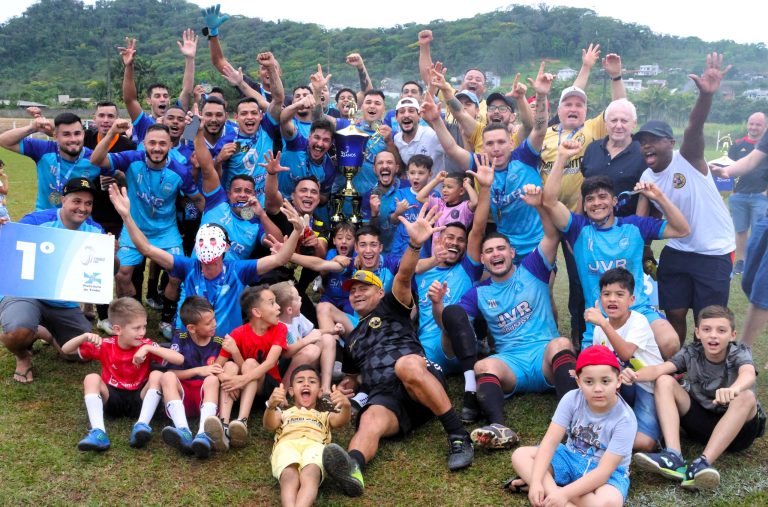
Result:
140,435
178,438
470,411
95,440
156,303
460,452
664,463
701,475
201,445
105,325
494,436
166,329
218,434
343,469
238,432
738,268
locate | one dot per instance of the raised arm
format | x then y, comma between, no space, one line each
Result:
100,155
273,199
557,211
318,80
425,55
589,57
677,224
188,47
276,84
484,179
532,196
211,179
357,62
130,95
612,66
464,119
424,193
523,109
283,256
234,76
213,20
419,232
431,114
287,128
11,139
541,85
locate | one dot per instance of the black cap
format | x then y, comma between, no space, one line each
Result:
78,185
656,128
497,96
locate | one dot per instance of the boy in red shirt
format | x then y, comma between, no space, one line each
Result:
254,349
125,388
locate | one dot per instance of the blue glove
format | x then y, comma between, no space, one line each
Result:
213,19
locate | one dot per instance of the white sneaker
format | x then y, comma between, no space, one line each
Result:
105,325
167,330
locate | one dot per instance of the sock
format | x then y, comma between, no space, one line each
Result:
470,381
149,405
95,408
490,397
207,409
459,331
470,400
451,423
169,310
674,452
175,409
361,399
359,458
562,364
152,288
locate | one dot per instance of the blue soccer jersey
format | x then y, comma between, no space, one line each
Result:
140,126
333,293
252,152
195,355
223,292
386,209
53,170
516,220
244,235
518,310
400,238
386,270
365,179
296,158
153,194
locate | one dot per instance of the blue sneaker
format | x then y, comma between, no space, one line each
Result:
701,475
178,438
202,445
140,435
95,440
664,463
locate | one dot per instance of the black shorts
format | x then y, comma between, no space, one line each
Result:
393,396
699,423
692,280
123,403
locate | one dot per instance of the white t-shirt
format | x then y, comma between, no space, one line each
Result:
636,330
299,327
696,195
426,143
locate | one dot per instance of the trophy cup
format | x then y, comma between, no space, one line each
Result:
350,149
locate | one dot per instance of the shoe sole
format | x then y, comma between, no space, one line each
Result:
643,462
85,447
173,439
238,434
215,430
336,463
469,419
489,440
201,450
706,479
140,439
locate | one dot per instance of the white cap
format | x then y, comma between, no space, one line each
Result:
573,91
407,102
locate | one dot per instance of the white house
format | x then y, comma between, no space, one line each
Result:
633,85
649,70
566,74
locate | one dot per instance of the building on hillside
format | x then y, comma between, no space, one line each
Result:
755,94
648,70
66,99
661,83
632,84
566,74
23,103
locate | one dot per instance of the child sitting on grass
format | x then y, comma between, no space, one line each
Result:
192,389
125,388
592,467
451,205
301,433
719,409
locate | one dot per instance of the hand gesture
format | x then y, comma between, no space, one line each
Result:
93,338
568,148
532,195
709,82
536,494
213,18
347,386
140,355
338,329
355,60
229,345
556,499
198,91
484,174
429,110
628,376
338,399
292,215
342,260
120,126
467,184
277,399
386,132
128,53
440,177
375,202
119,198
425,37
543,82
43,125
437,291
267,59
439,252
226,152
274,244
272,164
437,73
595,316
34,112
725,395
518,89
307,102
234,76
318,79
648,190
590,56
188,43
402,205
423,228
612,65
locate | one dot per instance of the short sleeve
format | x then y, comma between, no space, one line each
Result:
215,198
526,154
650,228
538,266
763,144
247,271
89,351
279,336
565,409
121,161
575,224
36,148
237,335
182,266
623,435
682,358
468,303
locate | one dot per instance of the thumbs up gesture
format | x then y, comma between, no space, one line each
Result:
277,399
595,316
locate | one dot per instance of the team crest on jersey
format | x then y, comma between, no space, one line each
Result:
167,188
492,303
678,180
623,243
375,323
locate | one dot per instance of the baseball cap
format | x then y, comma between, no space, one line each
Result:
656,128
573,91
498,96
407,102
470,95
597,355
78,185
362,276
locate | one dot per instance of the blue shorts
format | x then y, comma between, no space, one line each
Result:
569,467
645,413
130,256
747,209
693,280
433,349
754,280
649,311
525,361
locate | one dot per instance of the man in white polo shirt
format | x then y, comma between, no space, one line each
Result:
414,138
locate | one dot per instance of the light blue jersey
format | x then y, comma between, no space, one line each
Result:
296,158
386,209
365,179
400,238
244,235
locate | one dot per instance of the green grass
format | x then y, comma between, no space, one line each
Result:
41,423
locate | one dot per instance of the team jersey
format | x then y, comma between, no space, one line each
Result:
252,152
597,250
386,270
333,293
223,292
386,208
304,423
195,355
400,239
244,235
516,220
53,170
117,368
296,158
365,179
253,346
518,310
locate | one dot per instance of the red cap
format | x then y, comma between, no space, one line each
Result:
596,355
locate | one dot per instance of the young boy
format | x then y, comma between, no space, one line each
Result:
419,171
192,389
301,434
253,370
592,467
719,408
629,335
125,388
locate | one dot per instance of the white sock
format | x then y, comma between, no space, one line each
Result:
149,406
95,408
208,409
470,383
361,398
175,409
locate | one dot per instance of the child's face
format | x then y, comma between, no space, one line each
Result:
616,300
368,248
715,335
204,328
599,384
305,389
452,191
344,241
295,301
267,308
418,177
130,334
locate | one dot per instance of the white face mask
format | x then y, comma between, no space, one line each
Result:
210,243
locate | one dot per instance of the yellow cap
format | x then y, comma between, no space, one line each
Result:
362,276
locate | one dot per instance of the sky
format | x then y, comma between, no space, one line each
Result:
673,17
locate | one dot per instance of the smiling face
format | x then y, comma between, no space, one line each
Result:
500,112
373,108
572,112
214,117
385,168
497,146
599,384
76,208
303,112
599,205
368,248
157,144
306,196
657,151
410,90
318,144
452,191
616,300
344,242
346,102
364,297
70,138
756,125
158,100
454,240
305,389
715,334
130,334
104,117
248,117
408,118
469,107
174,120
496,256
474,81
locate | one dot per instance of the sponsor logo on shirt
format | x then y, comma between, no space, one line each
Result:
678,180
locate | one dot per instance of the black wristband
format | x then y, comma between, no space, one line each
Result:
617,78
414,247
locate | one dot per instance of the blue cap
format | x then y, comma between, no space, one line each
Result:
470,95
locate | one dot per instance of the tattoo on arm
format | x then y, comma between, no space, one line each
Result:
454,104
541,116
365,81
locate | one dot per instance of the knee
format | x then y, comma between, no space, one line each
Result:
211,382
455,318
643,443
231,368
745,399
410,368
557,344
17,338
155,378
249,364
323,309
168,380
92,381
309,353
665,382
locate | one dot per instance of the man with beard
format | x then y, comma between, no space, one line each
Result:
213,117
410,89
380,203
414,138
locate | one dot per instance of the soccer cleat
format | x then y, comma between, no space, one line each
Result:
470,411
178,438
738,268
343,469
166,329
494,436
202,445
140,435
105,325
95,440
701,475
218,434
664,463
156,303
460,452
238,432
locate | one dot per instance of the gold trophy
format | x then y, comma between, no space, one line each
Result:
350,150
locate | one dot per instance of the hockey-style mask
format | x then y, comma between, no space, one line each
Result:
210,243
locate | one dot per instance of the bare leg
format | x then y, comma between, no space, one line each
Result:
211,387
755,323
643,443
666,337
169,384
18,343
676,318
375,423
327,359
309,482
421,385
123,282
671,402
289,485
227,399
250,390
740,411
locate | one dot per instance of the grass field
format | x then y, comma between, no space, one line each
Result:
40,424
